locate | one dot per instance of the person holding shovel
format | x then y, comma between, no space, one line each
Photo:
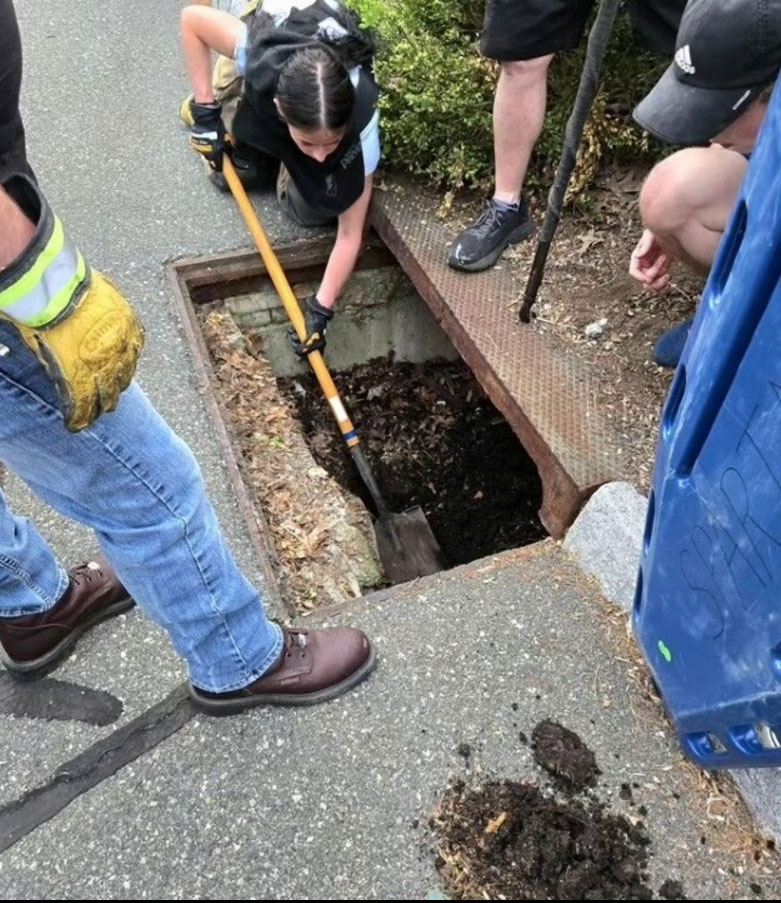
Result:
85,439
309,101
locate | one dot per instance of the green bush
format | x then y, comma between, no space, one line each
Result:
438,91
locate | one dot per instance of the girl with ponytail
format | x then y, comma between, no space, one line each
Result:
308,103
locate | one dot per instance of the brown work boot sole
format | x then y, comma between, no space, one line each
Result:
41,666
235,704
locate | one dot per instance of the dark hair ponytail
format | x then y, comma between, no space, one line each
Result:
314,90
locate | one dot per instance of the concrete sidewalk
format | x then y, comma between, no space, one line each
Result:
317,803
333,802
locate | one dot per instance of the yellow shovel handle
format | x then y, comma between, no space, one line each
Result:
289,300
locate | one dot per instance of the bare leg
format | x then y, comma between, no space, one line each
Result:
687,199
519,113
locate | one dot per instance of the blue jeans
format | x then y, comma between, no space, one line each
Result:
139,488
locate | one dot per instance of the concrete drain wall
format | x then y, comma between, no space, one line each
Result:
379,313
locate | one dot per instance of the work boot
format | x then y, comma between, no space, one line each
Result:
32,645
314,666
480,245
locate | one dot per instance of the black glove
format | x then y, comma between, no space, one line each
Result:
207,134
317,318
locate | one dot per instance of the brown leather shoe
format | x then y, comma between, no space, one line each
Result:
314,666
31,645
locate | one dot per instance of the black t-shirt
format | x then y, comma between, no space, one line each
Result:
656,23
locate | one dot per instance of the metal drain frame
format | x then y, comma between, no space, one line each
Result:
544,391
199,280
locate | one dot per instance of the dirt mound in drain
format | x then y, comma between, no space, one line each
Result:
564,756
434,440
509,840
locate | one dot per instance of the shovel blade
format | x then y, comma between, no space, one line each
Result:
408,549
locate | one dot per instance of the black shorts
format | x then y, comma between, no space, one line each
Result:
527,29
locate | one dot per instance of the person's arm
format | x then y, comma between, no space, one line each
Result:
349,238
78,325
18,230
318,310
205,29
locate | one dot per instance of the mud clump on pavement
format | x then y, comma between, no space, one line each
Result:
564,756
509,840
672,890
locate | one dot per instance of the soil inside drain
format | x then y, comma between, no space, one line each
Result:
434,440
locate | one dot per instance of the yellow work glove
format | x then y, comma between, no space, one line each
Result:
75,321
90,354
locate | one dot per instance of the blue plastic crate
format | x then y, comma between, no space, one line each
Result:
708,603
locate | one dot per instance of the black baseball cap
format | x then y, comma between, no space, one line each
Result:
726,52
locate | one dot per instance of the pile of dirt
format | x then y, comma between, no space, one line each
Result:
435,440
509,840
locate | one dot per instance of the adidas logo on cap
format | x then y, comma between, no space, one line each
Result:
683,58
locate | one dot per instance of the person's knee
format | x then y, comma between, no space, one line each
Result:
527,70
666,199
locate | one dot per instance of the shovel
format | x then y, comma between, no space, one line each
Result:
407,547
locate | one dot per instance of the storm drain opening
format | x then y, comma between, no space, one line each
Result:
432,436
435,440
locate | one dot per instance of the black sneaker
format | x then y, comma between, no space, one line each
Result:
480,246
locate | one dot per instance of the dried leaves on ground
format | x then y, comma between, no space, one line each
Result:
323,539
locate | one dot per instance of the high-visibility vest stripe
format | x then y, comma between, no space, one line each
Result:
46,288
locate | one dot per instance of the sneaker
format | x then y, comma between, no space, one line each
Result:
32,645
314,666
669,346
480,246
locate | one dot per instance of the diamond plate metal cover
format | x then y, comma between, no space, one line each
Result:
545,391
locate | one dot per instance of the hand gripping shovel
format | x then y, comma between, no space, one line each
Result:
407,547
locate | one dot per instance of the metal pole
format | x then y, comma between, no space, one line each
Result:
587,90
